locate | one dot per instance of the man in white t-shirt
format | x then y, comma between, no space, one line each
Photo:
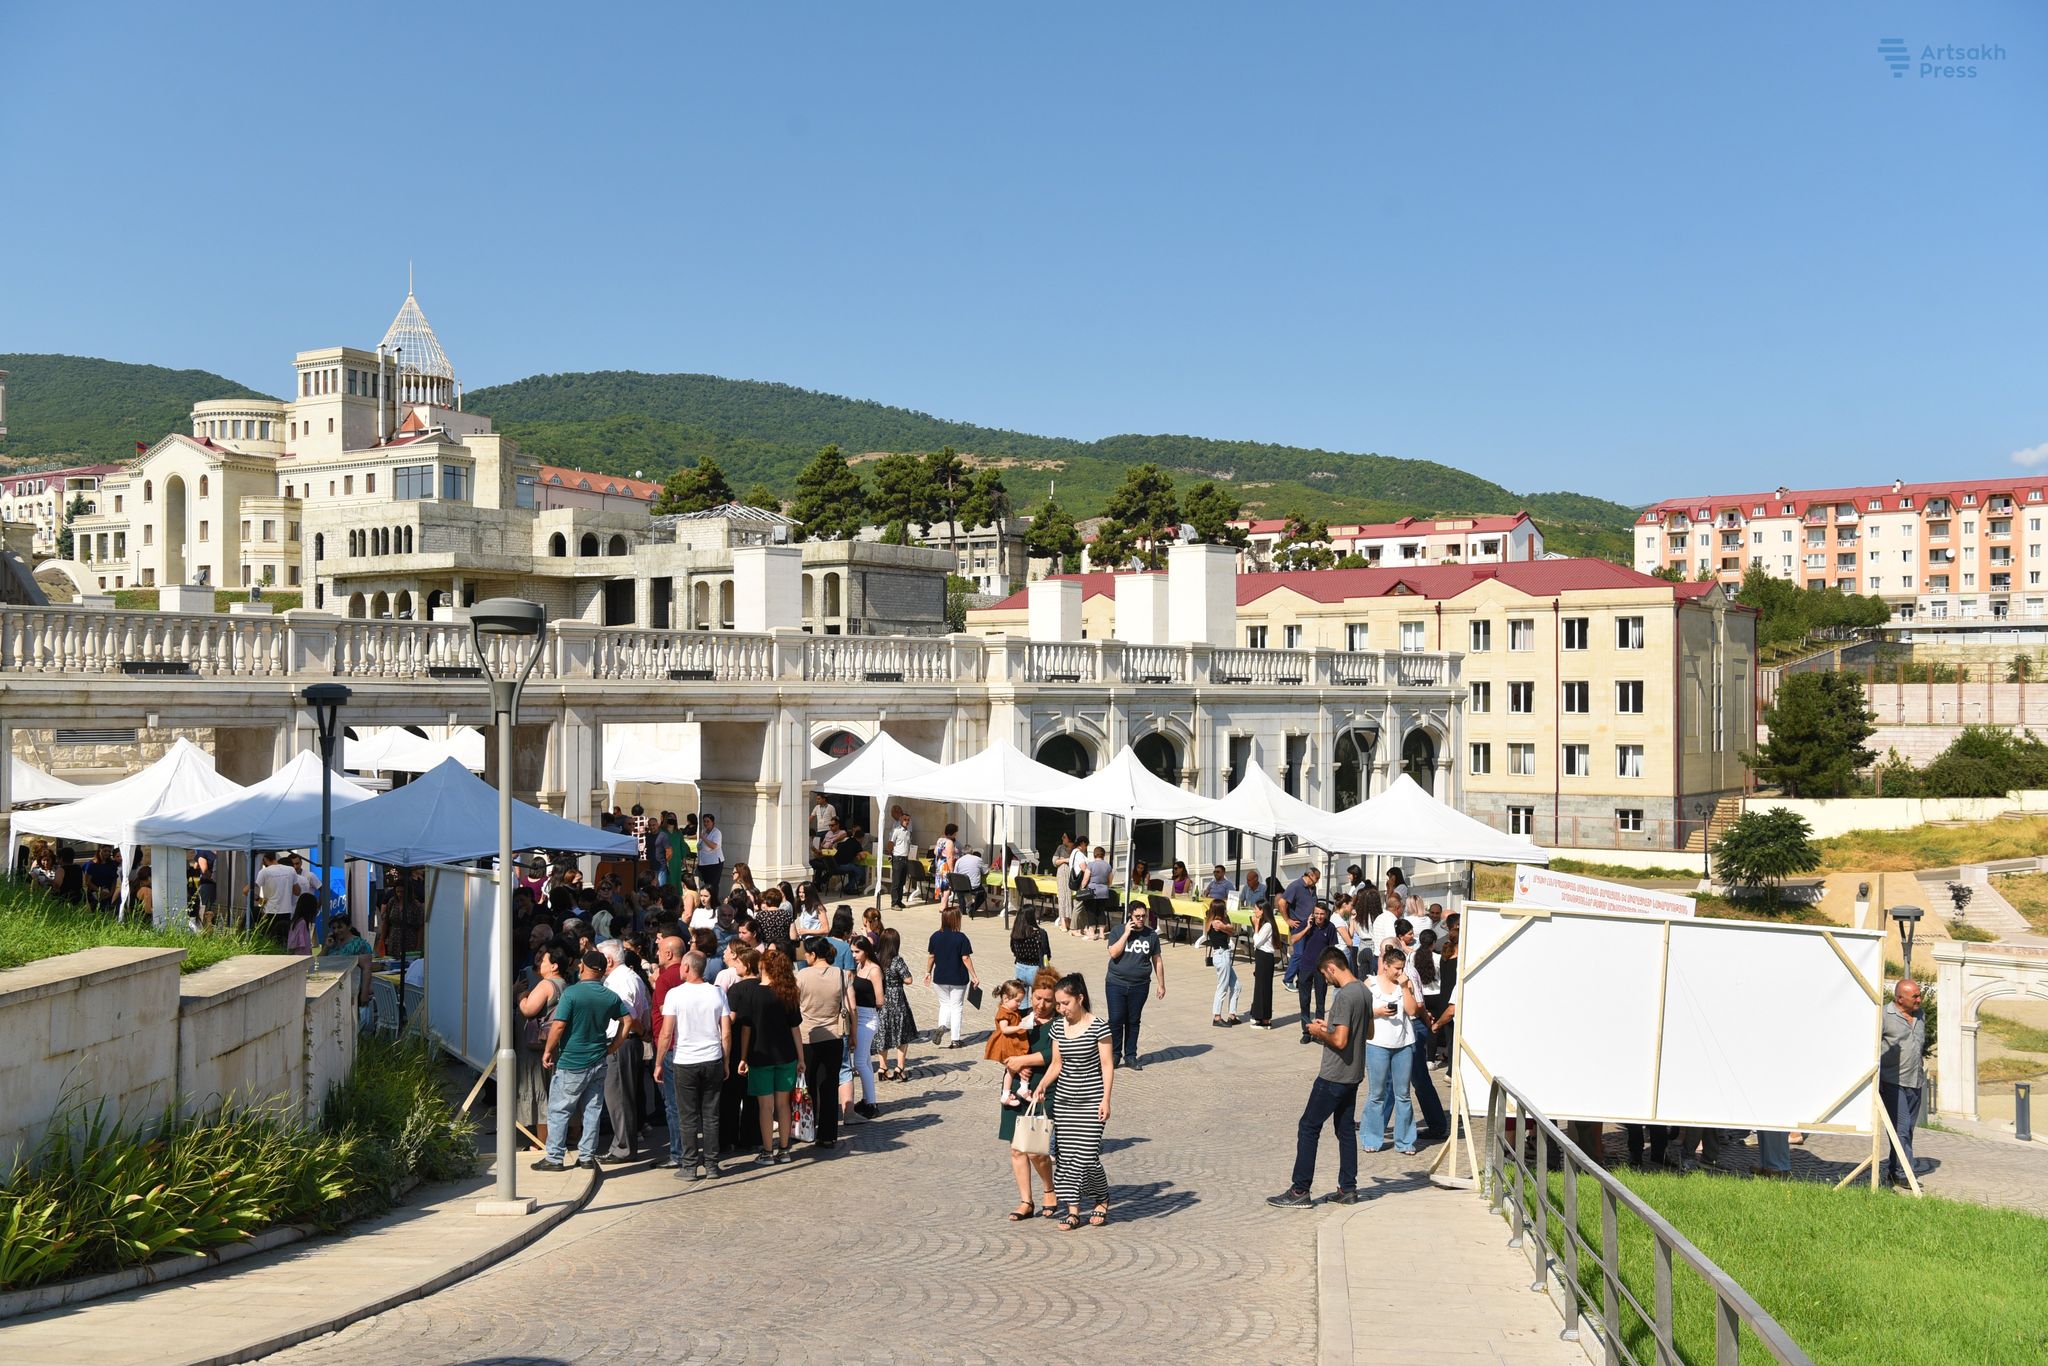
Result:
277,887
696,1041
1383,930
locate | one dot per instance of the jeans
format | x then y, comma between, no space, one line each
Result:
952,1006
1773,1150
696,1087
823,1057
1226,983
1312,981
1126,1010
866,1020
572,1094
1433,1117
1388,1074
1902,1103
1329,1102
670,1108
1027,973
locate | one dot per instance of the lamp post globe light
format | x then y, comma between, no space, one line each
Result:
326,701
517,618
1908,920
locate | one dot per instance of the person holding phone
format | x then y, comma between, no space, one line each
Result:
1389,1063
1134,963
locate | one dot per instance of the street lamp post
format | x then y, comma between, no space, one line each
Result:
326,700
505,617
1908,920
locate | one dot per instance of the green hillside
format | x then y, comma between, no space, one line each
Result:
66,409
623,421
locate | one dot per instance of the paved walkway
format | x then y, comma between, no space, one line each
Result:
1478,1307
274,1299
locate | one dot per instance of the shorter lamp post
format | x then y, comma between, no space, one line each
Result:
326,700
1908,920
506,617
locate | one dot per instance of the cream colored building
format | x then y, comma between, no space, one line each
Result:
42,498
1602,707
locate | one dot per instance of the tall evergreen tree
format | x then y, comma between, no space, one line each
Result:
1818,725
1304,545
829,503
950,482
988,503
1053,535
762,496
695,488
1209,508
1141,518
900,497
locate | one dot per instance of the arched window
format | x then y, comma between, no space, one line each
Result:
558,546
319,547
408,540
202,485
617,547
148,491
588,545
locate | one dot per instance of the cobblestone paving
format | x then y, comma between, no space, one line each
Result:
897,1250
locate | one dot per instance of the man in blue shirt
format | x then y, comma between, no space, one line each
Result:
1134,959
1220,887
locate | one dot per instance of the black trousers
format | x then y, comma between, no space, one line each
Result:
821,1073
698,1087
899,873
1318,985
736,1123
711,877
1262,986
623,1102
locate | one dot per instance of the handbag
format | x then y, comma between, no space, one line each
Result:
803,1113
974,996
1033,1133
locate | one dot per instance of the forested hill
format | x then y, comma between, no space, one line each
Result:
76,409
623,421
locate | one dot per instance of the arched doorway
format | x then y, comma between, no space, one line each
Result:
1152,841
380,606
1069,756
852,810
1355,749
174,530
1418,759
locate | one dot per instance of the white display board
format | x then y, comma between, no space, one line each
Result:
462,994
1716,1023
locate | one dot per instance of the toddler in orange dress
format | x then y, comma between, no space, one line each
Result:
1011,1038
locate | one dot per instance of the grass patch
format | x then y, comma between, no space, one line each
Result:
2023,1037
100,1195
1931,846
2028,893
148,599
1761,908
1820,1261
1964,932
34,926
1995,1071
1622,872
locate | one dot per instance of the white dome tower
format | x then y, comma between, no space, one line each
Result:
423,374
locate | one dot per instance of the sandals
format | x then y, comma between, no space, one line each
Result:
1022,1212
1072,1222
1099,1217
1050,1210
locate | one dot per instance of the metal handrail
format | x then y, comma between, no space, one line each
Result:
1734,1308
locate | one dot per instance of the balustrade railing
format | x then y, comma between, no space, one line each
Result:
1155,664
1275,668
877,659
69,640
683,656
1062,661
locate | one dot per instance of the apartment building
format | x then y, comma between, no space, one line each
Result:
1602,707
1409,541
42,499
1953,555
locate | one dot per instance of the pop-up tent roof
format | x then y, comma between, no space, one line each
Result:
1125,788
281,812
28,785
394,749
1259,806
183,778
879,769
449,815
647,753
1406,821
1001,775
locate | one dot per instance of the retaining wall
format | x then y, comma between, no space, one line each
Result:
1840,815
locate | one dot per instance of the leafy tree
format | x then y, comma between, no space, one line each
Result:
1053,535
762,496
830,504
950,482
1818,726
1763,848
1788,613
958,591
1142,518
1981,762
900,497
694,488
988,503
1351,559
1670,573
77,507
1304,545
1210,508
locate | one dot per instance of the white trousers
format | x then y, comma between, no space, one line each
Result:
952,1007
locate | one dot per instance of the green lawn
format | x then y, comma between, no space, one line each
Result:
1931,846
2028,893
33,926
1846,1273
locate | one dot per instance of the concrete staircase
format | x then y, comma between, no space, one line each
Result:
1726,812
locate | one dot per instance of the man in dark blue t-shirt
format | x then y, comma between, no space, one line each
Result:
1134,958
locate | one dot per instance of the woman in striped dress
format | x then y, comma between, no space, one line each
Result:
1084,1071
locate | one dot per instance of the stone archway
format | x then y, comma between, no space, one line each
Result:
1967,976
1152,841
71,572
1356,749
840,742
174,530
1418,757
1071,755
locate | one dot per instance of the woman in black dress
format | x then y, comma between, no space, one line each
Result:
1083,1071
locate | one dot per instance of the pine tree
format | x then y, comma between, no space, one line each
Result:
1053,535
950,481
1210,508
694,488
900,497
988,503
1818,725
762,496
1141,518
830,504
1304,545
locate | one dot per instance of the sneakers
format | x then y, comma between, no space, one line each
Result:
1341,1197
1134,1065
868,1109
588,1164
781,1156
1290,1199
692,1173
713,1171
763,1158
547,1164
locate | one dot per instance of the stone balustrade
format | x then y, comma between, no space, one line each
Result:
92,640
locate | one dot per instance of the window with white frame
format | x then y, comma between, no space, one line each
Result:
1482,698
1628,761
1521,820
1481,637
1628,820
1578,760
1521,698
1412,637
1255,637
1482,760
1521,759
1578,698
1290,637
1355,634
1578,632
1628,633
1522,634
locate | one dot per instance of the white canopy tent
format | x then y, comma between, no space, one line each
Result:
28,785
182,779
652,753
449,815
281,812
1001,775
394,749
1259,806
878,770
1125,789
1405,820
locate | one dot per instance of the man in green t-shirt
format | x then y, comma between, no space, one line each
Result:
577,1049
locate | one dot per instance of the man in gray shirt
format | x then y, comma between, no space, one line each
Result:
1902,1070
1334,1098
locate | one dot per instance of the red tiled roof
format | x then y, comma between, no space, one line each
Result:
1407,526
615,485
1860,497
1537,578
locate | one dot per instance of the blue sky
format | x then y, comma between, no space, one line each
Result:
1630,249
